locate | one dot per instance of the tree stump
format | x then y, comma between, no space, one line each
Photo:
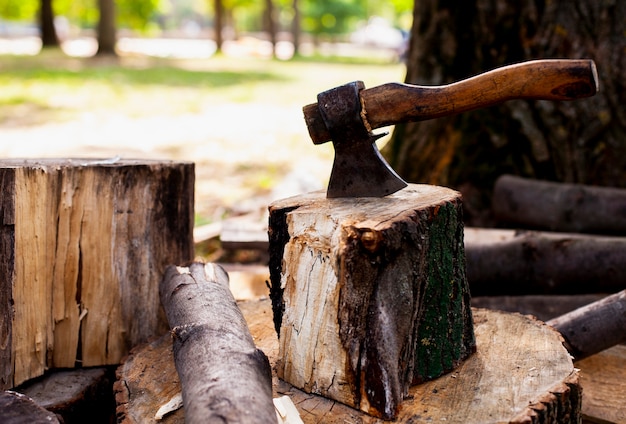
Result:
369,294
520,373
84,244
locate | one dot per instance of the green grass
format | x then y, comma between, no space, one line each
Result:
51,83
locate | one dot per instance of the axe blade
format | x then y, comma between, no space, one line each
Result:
359,170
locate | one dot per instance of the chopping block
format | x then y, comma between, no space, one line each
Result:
83,246
369,295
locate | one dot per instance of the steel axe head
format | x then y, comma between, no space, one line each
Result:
359,170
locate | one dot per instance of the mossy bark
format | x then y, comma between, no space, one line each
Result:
370,295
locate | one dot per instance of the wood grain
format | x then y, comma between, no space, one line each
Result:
83,243
520,370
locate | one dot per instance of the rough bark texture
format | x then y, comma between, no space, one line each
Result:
575,142
547,263
84,244
527,203
594,327
77,395
224,377
369,294
16,408
520,370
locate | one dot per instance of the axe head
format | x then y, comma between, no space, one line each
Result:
359,170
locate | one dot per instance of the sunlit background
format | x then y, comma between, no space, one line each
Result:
173,90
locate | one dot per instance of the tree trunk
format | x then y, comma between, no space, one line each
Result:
295,27
370,294
48,31
106,28
224,377
576,142
269,17
82,243
218,23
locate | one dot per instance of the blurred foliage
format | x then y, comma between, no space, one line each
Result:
318,16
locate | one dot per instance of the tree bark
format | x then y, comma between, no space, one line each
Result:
224,377
270,23
559,206
107,38
75,395
82,242
547,263
594,327
49,36
370,294
218,23
16,408
295,27
574,142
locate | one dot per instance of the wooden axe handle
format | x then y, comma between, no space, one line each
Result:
394,103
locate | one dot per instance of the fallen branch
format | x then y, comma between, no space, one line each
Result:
594,327
547,263
559,206
224,377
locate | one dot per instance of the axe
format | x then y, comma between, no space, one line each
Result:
348,114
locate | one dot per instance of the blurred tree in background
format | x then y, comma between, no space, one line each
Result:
322,19
583,141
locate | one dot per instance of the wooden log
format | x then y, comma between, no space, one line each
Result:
547,263
544,307
16,408
224,376
595,327
559,206
82,243
520,369
75,395
146,381
369,294
604,386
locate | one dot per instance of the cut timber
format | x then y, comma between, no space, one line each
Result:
83,245
369,294
76,395
520,370
224,377
146,381
547,263
559,206
544,307
595,327
16,408
603,377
